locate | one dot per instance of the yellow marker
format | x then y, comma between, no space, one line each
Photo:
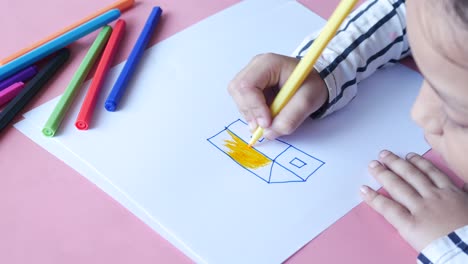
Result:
307,63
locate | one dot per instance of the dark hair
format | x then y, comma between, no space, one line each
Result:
460,7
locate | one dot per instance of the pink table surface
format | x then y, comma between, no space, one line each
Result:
51,214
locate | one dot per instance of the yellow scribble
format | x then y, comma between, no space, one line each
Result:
245,155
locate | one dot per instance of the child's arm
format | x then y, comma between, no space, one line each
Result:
452,249
376,36
373,36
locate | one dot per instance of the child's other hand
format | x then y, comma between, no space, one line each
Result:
426,205
264,74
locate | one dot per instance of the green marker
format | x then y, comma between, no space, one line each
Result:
65,101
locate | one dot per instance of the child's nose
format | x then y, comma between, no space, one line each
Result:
433,124
428,113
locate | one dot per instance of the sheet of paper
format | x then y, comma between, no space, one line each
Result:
173,152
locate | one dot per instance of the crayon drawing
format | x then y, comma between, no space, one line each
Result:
246,156
273,162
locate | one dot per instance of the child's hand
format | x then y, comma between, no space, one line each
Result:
426,205
265,73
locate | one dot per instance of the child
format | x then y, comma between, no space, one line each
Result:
427,209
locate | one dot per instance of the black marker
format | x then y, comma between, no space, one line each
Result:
33,86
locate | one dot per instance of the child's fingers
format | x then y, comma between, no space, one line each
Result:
437,177
400,190
254,103
247,91
300,106
395,213
247,88
308,98
406,170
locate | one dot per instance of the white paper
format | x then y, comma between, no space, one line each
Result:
161,155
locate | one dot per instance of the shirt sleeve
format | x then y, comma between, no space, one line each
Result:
371,37
450,249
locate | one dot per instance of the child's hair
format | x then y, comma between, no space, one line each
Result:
460,7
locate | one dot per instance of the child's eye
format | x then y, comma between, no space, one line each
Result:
463,125
456,118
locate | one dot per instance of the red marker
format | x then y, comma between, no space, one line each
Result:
89,103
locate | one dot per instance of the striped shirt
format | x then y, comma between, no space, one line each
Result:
450,249
372,37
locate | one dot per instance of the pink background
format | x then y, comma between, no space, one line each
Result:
51,214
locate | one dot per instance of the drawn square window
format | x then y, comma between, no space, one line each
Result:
298,163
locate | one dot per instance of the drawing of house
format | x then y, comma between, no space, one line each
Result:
273,162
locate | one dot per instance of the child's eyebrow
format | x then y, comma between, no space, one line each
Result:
452,60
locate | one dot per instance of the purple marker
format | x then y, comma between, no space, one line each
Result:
10,92
21,76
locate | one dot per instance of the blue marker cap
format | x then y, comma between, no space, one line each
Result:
118,90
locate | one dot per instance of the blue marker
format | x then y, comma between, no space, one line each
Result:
57,43
119,87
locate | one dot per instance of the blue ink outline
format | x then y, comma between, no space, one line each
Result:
298,160
273,161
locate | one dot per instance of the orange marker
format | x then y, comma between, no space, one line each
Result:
89,103
122,5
